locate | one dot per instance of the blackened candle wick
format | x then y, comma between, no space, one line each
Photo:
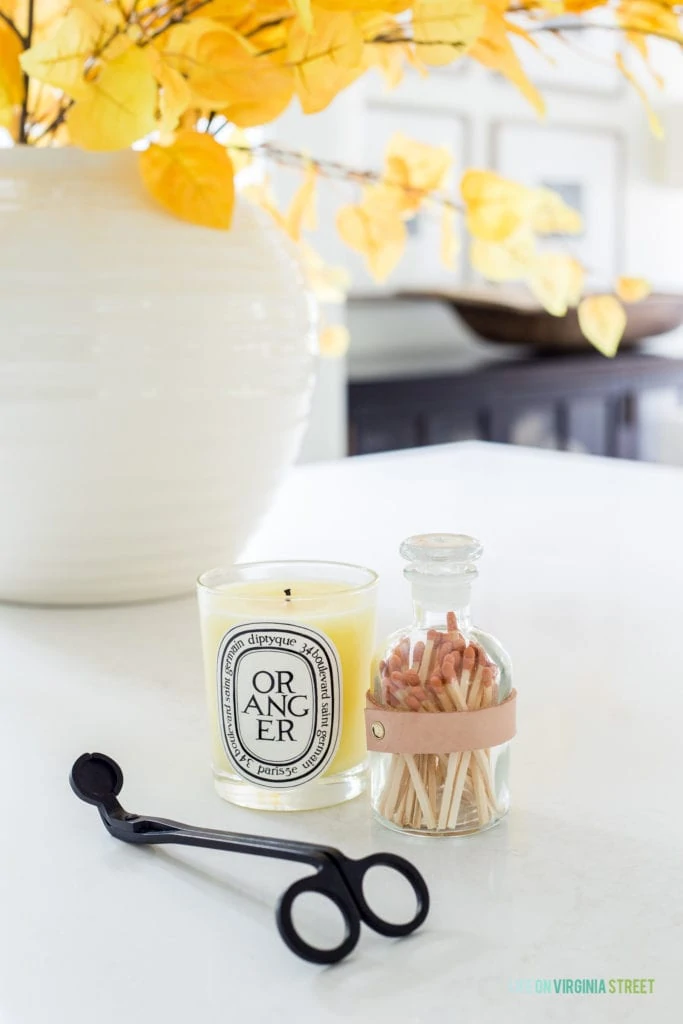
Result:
288,593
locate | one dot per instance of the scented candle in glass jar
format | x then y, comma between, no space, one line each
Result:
287,654
441,711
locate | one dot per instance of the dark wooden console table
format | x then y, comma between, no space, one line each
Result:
479,391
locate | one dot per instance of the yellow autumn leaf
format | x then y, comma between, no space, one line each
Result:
391,6
60,61
656,126
326,60
395,189
416,168
303,9
495,207
333,341
174,95
11,78
178,45
645,16
192,178
265,25
602,320
328,283
302,209
245,16
174,99
374,229
63,58
553,281
223,73
118,107
577,278
494,50
107,16
46,15
580,6
449,240
261,194
511,260
457,23
220,60
389,61
639,43
632,289
550,215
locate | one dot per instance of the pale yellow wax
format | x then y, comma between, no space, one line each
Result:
347,618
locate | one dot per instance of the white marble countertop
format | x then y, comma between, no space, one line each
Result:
582,582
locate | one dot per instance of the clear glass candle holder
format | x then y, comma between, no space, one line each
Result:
288,649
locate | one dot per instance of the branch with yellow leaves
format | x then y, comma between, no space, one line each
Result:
116,73
505,221
337,171
543,27
596,26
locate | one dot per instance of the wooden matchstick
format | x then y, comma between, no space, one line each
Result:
433,637
472,704
441,695
443,673
489,695
418,654
469,659
395,777
405,793
449,668
451,673
480,795
432,767
418,817
444,649
394,663
420,792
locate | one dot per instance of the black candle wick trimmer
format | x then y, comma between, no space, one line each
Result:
97,779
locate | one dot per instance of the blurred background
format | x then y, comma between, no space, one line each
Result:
433,366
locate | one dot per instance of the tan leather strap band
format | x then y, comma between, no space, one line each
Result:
408,732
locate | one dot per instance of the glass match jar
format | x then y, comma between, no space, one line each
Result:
441,711
288,649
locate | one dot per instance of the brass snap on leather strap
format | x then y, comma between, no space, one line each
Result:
408,732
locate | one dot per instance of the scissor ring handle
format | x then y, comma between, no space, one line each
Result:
357,870
321,885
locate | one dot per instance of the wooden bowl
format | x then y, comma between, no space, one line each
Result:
517,321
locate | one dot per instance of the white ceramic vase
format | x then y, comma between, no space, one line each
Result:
155,379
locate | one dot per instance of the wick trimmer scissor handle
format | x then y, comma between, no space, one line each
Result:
341,879
98,780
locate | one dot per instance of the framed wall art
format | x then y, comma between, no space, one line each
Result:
586,166
421,266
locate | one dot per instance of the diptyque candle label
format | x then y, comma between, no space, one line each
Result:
279,701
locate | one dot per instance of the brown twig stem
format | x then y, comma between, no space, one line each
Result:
338,171
10,24
27,39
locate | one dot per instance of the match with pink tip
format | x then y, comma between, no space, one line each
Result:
446,672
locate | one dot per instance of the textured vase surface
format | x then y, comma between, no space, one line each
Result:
155,380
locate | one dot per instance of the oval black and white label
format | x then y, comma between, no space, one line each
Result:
279,702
